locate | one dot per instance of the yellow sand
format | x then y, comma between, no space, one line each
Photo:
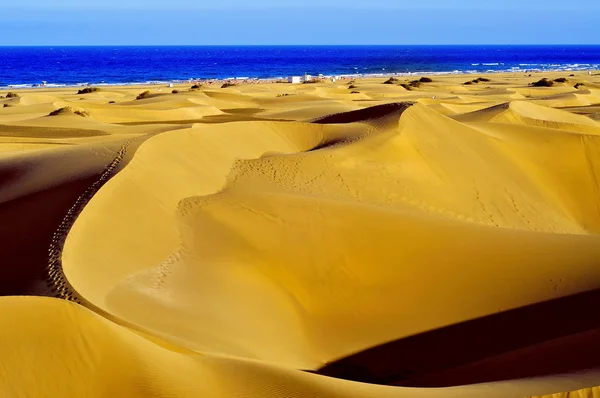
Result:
241,242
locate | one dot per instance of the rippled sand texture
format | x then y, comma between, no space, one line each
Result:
280,240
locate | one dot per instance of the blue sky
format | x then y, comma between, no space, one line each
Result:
190,22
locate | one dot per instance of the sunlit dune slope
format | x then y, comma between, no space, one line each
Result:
225,143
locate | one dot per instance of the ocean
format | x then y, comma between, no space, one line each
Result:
58,66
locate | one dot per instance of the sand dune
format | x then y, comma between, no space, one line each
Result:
77,340
300,240
521,112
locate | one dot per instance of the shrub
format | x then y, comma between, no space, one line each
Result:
143,95
391,80
310,81
561,80
89,90
415,83
60,111
194,87
478,80
469,82
355,92
111,102
225,85
571,75
406,86
7,105
283,95
10,94
425,80
68,109
174,91
543,83
577,85
350,87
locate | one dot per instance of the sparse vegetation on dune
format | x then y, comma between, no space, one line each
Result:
310,81
476,81
89,90
577,85
350,87
111,102
543,83
355,92
174,91
143,95
561,80
411,85
67,110
6,105
10,94
225,85
283,95
194,87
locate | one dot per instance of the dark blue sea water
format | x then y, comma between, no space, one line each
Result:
76,65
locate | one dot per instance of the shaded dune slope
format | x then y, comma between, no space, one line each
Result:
38,188
367,114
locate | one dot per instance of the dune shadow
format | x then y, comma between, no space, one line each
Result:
27,229
366,114
553,337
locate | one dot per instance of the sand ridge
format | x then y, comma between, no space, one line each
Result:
252,232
